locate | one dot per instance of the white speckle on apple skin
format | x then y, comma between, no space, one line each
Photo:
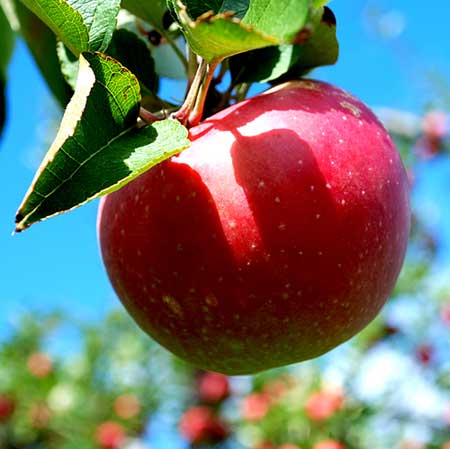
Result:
173,305
211,300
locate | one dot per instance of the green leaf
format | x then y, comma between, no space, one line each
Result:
320,50
2,105
134,54
217,35
42,43
100,18
151,11
282,20
99,146
128,49
69,64
197,8
263,65
6,48
7,41
63,20
319,3
81,24
239,7
292,61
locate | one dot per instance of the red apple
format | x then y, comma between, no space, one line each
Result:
277,388
127,406
110,435
435,127
200,425
7,407
277,236
39,364
39,415
264,445
329,444
425,354
213,387
323,404
255,406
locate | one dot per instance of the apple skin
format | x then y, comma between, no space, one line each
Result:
276,236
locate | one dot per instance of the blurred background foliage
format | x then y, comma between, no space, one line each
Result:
71,384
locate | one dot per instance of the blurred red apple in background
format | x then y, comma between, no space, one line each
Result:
39,415
425,354
255,406
265,445
127,406
323,404
213,387
39,364
7,407
288,446
329,444
110,435
199,425
277,236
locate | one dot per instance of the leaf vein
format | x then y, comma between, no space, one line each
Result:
66,180
64,151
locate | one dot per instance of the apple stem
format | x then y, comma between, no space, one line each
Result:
196,114
190,112
183,113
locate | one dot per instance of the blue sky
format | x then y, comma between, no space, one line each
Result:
57,262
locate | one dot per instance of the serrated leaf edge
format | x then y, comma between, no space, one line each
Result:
57,30
72,115
211,17
22,225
